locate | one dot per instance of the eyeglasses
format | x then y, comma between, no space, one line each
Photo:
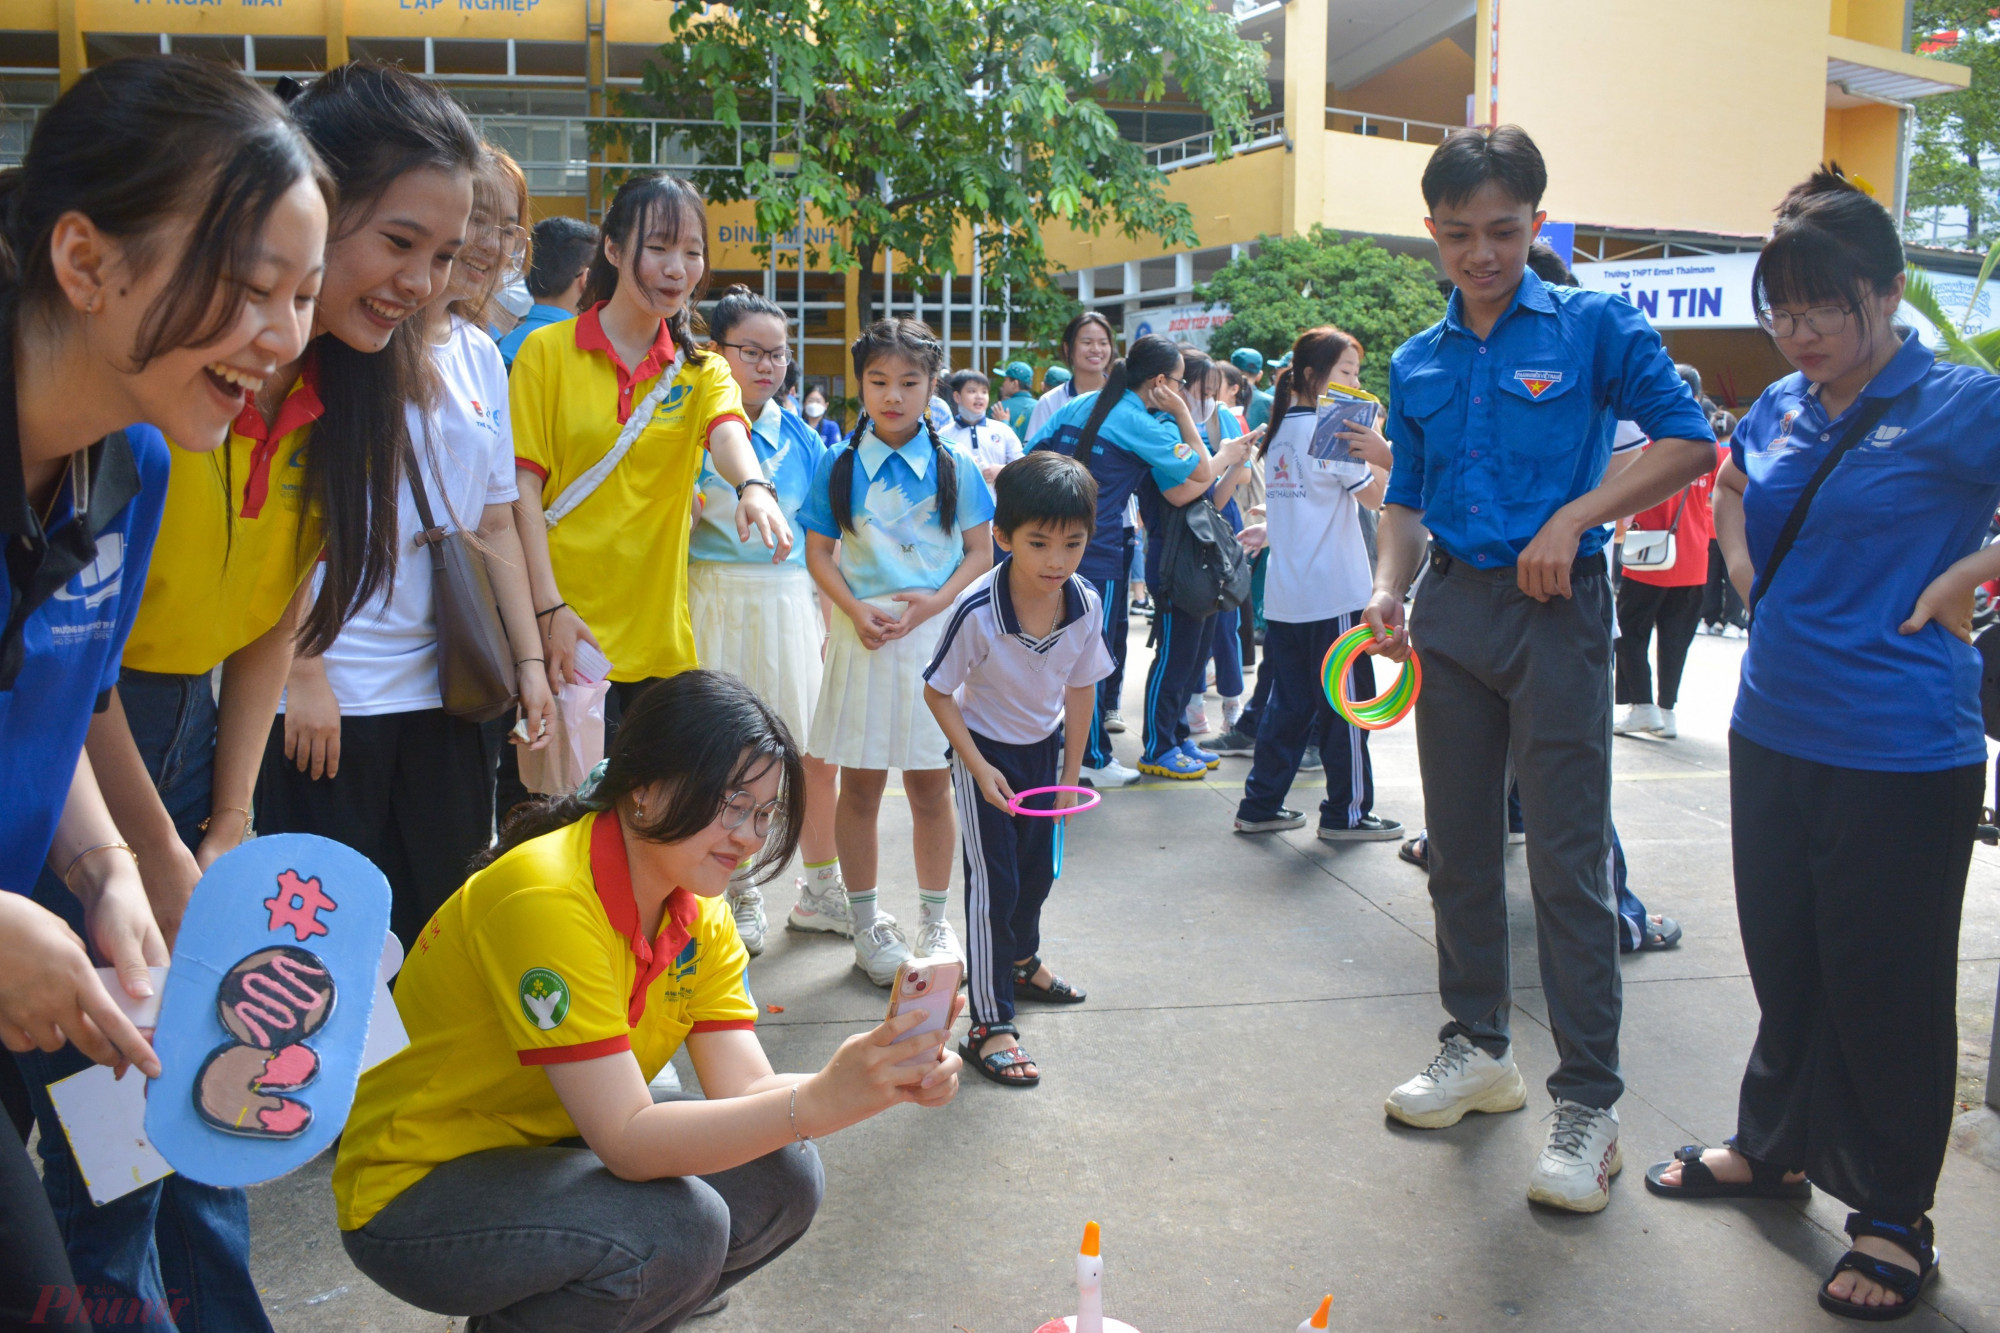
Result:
761,356
511,239
740,807
1825,320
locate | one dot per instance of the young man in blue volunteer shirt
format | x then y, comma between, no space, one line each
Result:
1501,418
562,251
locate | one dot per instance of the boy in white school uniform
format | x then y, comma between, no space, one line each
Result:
1013,685
990,440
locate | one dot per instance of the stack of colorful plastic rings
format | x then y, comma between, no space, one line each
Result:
1385,709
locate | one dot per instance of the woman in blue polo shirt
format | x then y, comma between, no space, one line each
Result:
106,271
756,615
1857,759
1137,437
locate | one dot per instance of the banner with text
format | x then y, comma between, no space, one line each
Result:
1188,324
1690,292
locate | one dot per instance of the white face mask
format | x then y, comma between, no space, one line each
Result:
1201,408
815,409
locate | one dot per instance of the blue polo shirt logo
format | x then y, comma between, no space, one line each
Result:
1883,436
1537,382
99,581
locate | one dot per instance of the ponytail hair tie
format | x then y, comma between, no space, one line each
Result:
586,792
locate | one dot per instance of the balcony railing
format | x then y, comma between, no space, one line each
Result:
1264,132
1371,125
557,153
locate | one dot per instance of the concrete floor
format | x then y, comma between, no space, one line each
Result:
1217,1104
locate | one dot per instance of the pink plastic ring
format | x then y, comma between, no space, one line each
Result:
1014,807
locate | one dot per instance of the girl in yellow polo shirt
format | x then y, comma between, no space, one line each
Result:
512,1163
611,413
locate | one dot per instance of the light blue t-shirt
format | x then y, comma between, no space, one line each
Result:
897,544
789,452
1137,452
1828,675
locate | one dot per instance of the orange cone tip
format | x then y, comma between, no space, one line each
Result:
1089,1239
1319,1318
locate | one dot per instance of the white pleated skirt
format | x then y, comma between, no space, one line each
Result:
761,623
871,711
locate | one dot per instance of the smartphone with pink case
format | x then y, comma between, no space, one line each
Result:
929,984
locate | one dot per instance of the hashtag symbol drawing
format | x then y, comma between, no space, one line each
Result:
298,905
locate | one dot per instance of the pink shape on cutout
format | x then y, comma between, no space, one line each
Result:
298,905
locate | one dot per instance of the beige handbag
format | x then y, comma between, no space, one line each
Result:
475,663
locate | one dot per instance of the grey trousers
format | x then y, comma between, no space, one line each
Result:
1507,677
547,1240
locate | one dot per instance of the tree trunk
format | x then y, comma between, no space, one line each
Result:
1972,208
864,290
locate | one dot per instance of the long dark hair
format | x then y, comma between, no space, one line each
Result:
1149,357
372,123
911,338
737,304
642,206
139,144
1832,244
1314,356
705,734
1075,327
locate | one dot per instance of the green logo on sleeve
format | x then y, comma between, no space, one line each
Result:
544,998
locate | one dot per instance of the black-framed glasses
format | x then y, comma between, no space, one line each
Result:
1825,320
761,356
739,807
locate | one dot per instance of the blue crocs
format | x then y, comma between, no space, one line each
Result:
1208,759
1175,763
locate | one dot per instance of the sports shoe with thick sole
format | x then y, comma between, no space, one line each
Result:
1234,743
937,939
1460,1079
1175,764
1113,774
822,908
746,904
1575,1169
879,949
1114,722
1284,819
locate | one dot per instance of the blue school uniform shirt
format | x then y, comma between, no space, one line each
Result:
898,544
64,656
1492,436
789,452
1826,676
539,316
1137,451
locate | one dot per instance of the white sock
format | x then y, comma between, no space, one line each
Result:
930,906
824,875
862,904
1232,709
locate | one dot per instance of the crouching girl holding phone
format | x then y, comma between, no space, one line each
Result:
512,1163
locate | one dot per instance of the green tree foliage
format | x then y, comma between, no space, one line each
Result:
916,119
1295,283
1956,162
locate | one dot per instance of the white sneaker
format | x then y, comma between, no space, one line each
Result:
823,908
936,939
1114,721
1113,774
1638,717
746,904
881,949
1575,1169
1666,731
1461,1078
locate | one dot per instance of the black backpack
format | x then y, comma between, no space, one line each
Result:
1203,568
1988,644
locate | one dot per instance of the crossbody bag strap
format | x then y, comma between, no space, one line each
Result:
430,533
1865,422
586,485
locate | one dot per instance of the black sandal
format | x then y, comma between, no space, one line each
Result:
1905,1284
1058,992
1417,851
996,1065
1698,1182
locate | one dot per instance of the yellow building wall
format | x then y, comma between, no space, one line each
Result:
1374,185
1234,202
1699,119
1431,85
1877,22
1864,141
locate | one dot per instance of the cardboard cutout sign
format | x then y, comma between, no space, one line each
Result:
266,1009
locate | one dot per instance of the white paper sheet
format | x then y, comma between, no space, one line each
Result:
105,1119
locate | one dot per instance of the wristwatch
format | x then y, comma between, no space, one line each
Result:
756,481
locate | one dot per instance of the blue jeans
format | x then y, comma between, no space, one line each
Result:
172,1246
